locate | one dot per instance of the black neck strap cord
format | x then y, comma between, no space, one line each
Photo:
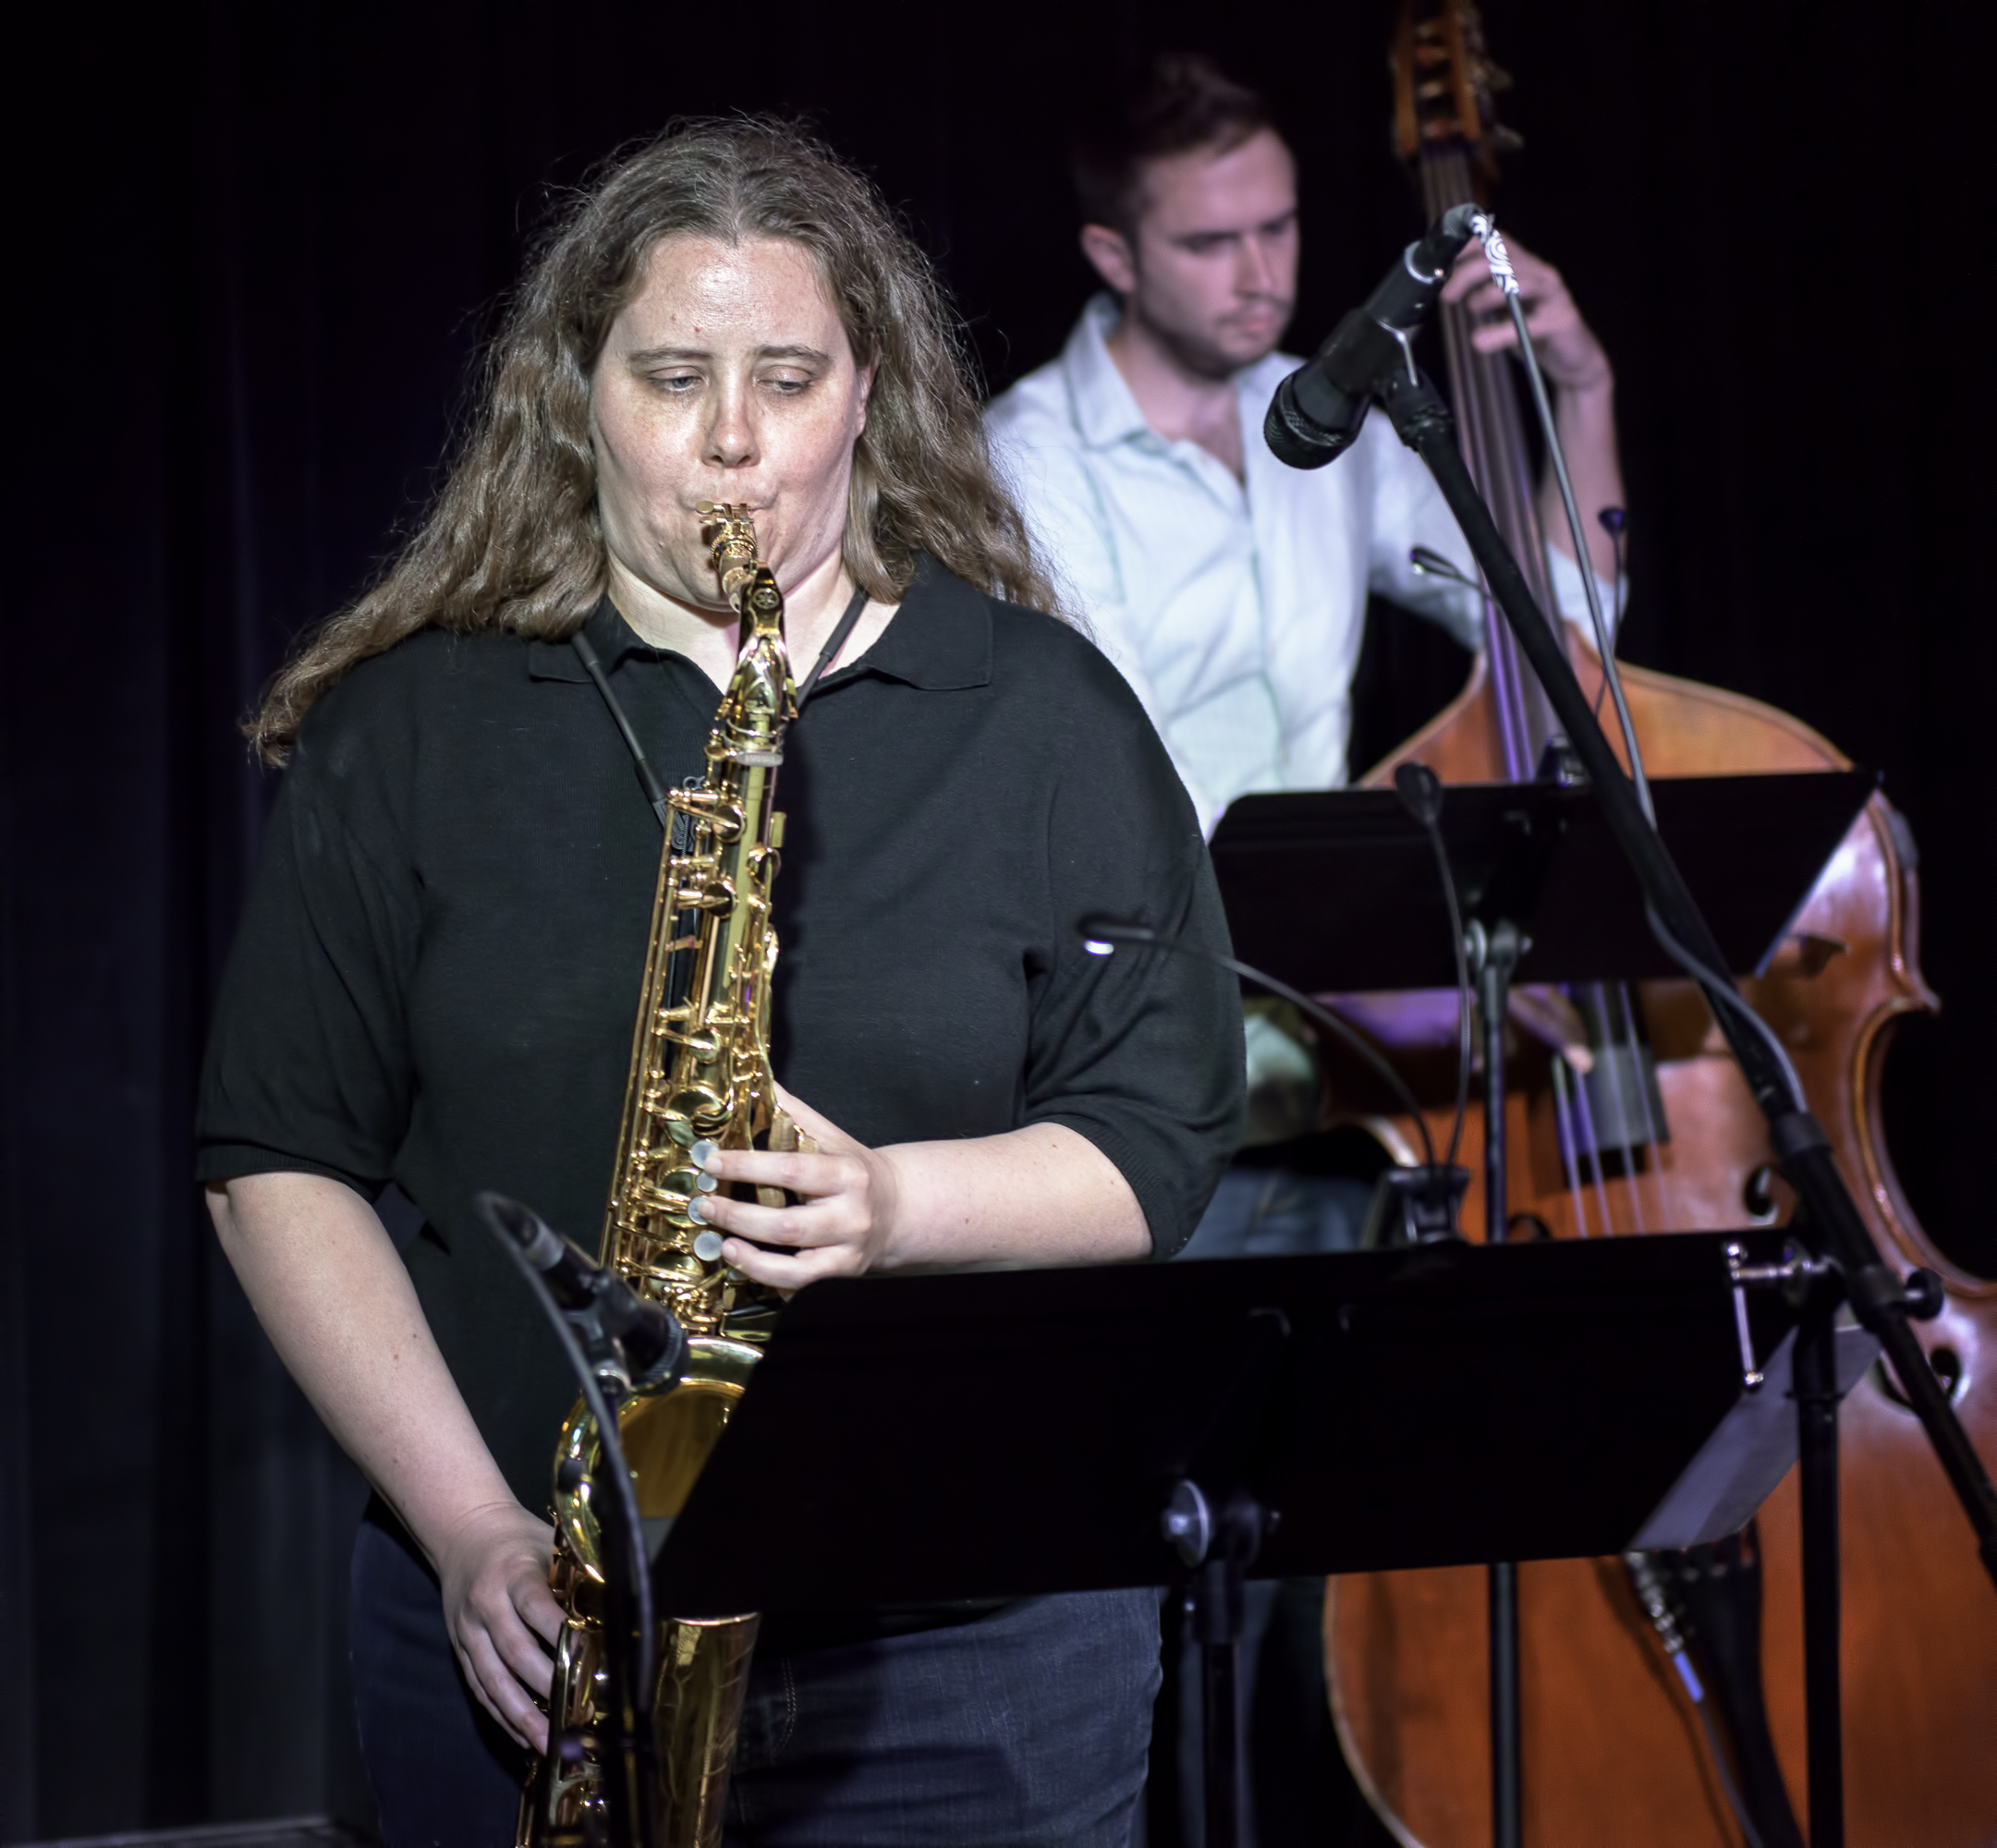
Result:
647,777
841,633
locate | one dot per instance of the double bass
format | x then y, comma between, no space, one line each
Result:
1643,1125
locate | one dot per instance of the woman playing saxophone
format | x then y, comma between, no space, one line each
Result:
437,973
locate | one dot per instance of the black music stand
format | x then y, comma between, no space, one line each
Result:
1339,890
1336,891
1009,1432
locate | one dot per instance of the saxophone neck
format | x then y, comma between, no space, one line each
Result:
701,1047
762,679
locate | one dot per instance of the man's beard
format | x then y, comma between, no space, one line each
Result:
1199,353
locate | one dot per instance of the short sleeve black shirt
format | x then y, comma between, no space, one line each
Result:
437,973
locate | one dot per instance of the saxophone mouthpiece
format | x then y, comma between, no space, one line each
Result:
730,531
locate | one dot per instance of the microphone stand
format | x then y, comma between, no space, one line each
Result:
626,1742
1840,1263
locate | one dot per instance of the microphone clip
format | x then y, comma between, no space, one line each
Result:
1318,410
630,1342
1415,1206
618,1334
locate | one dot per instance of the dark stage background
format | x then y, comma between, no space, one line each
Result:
255,250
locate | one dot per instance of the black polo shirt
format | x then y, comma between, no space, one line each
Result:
438,968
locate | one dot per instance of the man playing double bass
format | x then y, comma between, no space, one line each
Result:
1230,590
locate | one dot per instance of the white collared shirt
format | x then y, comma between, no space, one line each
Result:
1234,610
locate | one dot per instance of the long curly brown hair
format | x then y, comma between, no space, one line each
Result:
513,542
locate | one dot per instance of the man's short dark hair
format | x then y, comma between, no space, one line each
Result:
1177,102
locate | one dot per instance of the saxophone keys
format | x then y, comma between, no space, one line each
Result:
671,1268
715,895
679,1189
698,1105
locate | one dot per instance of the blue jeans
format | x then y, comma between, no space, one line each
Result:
1028,1727
444,1775
1025,1727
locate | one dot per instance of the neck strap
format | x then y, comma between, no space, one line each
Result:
834,643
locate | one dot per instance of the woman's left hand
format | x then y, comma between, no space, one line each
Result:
846,1198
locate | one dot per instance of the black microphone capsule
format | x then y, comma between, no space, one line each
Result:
1300,440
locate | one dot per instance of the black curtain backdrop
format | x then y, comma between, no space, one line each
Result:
254,251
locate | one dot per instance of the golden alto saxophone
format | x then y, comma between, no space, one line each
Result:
700,1075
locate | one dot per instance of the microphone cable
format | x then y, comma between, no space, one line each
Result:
1420,791
1101,936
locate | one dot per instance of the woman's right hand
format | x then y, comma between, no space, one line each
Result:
493,1565
324,1280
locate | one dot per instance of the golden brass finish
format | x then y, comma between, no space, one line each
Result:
700,1072
666,1436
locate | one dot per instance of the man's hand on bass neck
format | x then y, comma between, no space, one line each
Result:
1576,367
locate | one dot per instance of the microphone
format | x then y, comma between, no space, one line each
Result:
1317,412
639,1343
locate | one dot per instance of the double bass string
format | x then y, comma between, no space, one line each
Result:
1618,1080
1449,175
1653,1139
1493,436
1444,182
1569,1154
1584,1117
1623,1033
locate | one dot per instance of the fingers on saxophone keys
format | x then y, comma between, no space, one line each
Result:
529,1660
816,1222
799,1173
780,1224
502,1696
790,1271
523,1656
